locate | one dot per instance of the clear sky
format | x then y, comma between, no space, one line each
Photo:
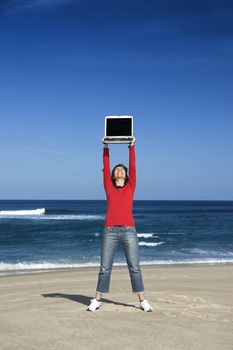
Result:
66,64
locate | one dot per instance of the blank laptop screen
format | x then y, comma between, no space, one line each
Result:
119,127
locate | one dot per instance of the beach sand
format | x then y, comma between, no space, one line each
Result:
193,309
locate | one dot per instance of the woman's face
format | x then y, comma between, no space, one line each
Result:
119,172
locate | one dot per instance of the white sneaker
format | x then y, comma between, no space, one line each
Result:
94,305
145,306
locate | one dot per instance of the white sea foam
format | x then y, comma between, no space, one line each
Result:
52,217
150,244
190,261
73,217
198,250
147,235
208,252
25,268
172,233
22,212
143,235
42,266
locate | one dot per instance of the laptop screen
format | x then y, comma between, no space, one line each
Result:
119,126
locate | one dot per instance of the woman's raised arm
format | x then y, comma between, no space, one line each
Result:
106,169
132,166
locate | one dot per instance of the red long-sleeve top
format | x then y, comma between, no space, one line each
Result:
119,199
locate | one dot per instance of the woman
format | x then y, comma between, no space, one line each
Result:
119,227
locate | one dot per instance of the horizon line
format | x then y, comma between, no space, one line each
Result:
159,200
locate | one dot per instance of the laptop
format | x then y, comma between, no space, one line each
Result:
118,129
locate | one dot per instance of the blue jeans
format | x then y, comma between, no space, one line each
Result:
127,237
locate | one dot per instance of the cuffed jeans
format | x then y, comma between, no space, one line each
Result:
127,237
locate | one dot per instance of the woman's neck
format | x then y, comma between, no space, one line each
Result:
120,183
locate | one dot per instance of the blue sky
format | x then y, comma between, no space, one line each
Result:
66,64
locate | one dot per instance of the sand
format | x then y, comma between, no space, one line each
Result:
193,309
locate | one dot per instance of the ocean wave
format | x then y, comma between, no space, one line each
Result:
189,261
73,217
147,235
150,244
200,251
208,252
26,268
54,217
42,265
143,235
14,213
172,233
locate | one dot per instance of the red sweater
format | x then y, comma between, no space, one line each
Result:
119,200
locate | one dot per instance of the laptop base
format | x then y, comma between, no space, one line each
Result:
109,139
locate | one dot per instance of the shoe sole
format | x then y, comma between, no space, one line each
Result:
93,310
150,310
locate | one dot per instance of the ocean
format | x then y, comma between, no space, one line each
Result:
48,235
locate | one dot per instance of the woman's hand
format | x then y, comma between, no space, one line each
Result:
104,142
133,141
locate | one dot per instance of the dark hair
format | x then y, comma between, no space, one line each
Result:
126,174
